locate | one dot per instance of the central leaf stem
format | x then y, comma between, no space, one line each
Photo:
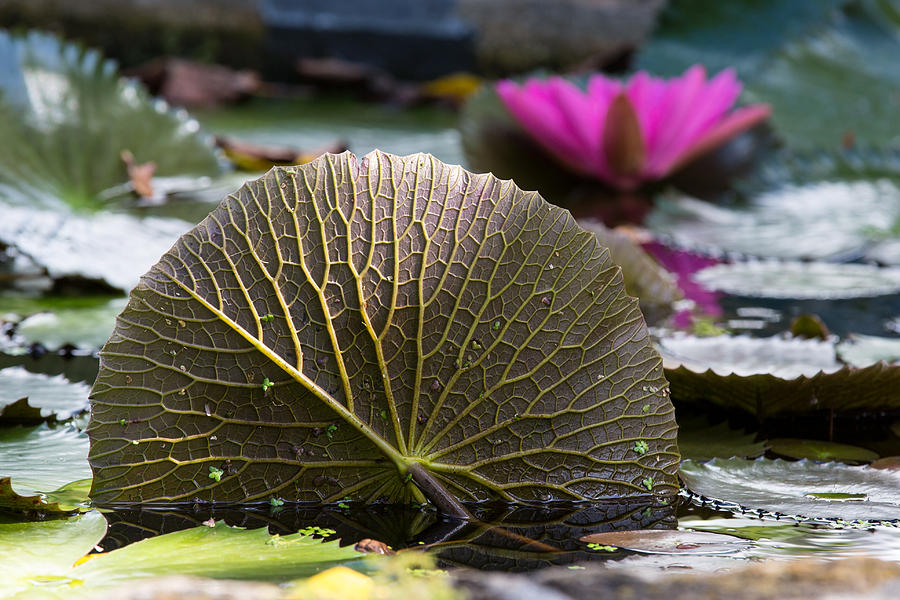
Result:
435,491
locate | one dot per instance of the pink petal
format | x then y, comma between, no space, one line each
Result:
734,124
683,96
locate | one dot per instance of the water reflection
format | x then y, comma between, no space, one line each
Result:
504,538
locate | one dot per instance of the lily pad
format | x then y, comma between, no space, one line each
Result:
47,461
820,450
861,350
655,541
773,377
52,395
800,280
381,328
699,440
40,556
797,488
822,220
85,324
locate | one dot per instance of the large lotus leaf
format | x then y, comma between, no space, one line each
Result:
803,488
51,395
43,469
825,220
38,558
800,280
66,116
384,328
774,377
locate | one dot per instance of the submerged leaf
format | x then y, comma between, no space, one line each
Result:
387,278
699,440
798,488
820,450
656,541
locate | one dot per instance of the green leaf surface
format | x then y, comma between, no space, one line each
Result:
47,461
820,450
55,322
494,334
51,395
699,440
39,557
797,488
774,377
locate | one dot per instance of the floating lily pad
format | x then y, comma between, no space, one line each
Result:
84,324
40,557
655,541
45,461
52,395
798,488
861,350
699,440
816,220
773,377
820,450
800,280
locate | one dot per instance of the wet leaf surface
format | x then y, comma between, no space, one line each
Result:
668,542
798,489
387,328
54,322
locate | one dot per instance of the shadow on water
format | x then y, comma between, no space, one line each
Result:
503,537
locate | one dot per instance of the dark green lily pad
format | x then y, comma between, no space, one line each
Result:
861,350
820,450
699,440
796,488
51,396
800,280
774,377
656,541
381,328
49,462
820,220
85,325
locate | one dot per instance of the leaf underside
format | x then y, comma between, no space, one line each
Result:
388,329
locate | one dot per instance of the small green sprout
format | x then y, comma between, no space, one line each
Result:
135,442
646,408
641,447
267,318
647,482
123,422
664,502
275,502
496,325
476,345
343,505
266,384
384,414
408,478
600,548
575,567
315,530
330,431
216,473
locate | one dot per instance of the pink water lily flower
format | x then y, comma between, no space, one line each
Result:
629,133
